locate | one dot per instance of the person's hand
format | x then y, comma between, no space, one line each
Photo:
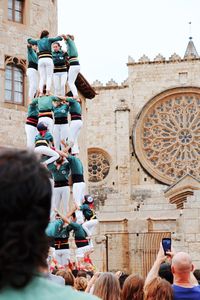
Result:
63,36
161,257
170,255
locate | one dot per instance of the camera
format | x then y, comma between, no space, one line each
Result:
166,243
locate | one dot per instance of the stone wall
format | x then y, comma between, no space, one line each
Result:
38,15
129,191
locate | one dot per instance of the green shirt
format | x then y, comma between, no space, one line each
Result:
58,58
71,48
87,212
47,137
76,165
32,110
79,232
41,288
54,228
61,111
45,102
74,106
45,43
62,174
32,55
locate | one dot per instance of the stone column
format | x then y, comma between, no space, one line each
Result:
123,150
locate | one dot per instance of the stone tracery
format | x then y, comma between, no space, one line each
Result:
98,165
169,137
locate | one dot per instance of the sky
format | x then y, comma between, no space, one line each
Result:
108,31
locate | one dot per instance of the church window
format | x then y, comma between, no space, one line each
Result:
98,164
14,80
15,10
168,135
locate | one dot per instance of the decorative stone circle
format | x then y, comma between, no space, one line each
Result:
167,135
98,164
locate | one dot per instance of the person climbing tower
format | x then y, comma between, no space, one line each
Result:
45,62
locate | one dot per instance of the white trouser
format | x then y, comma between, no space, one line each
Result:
72,75
78,195
80,252
59,82
31,132
32,75
62,256
61,199
48,121
44,150
74,129
45,69
60,132
89,227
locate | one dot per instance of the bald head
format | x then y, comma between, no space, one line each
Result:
182,263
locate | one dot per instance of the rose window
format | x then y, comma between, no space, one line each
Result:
98,165
167,135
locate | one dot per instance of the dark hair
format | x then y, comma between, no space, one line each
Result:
165,272
122,279
133,288
68,276
82,273
56,43
73,215
44,89
24,214
44,33
75,272
197,274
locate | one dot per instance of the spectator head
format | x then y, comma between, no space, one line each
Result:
25,203
68,276
182,265
44,33
133,288
165,272
82,273
107,287
158,289
197,275
122,279
80,284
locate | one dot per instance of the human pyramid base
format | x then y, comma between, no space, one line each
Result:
51,136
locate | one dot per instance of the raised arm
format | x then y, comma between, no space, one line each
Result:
32,41
155,268
64,218
56,39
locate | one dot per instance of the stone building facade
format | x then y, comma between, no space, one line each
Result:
144,160
18,21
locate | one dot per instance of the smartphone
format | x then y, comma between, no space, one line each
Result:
166,243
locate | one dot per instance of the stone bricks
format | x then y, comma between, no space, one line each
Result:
110,131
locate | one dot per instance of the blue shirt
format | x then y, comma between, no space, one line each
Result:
184,293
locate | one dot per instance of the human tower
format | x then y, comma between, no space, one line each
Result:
50,134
